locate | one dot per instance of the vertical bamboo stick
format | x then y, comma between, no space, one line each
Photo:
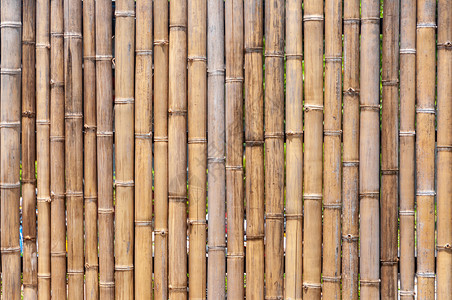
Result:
74,145
177,151
161,149
444,148
124,147
274,148
143,151
312,250
10,149
57,176
234,147
294,150
254,139
369,149
389,149
407,150
43,144
332,202
216,151
30,279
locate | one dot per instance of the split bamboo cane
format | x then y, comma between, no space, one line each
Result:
216,150
294,150
104,113
274,148
312,248
234,147
124,147
369,179
10,149
254,139
143,151
332,172
30,279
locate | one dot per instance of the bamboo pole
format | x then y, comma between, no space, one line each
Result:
389,149
274,148
407,150
124,147
143,151
177,153
312,248
294,150
57,177
254,140
74,145
369,150
234,147
30,279
161,149
216,151
104,113
10,154
43,144
197,146
444,148
332,172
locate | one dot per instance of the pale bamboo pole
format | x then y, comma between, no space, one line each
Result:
104,103
197,146
57,176
369,139
43,144
161,149
234,147
216,150
177,151
425,147
313,143
73,99
124,148
389,149
332,173
274,149
444,148
294,150
407,150
10,146
254,139
30,276
143,151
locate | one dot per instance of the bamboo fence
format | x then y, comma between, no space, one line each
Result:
226,149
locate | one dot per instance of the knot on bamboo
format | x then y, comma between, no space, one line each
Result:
446,248
445,46
29,238
162,232
44,199
91,266
309,107
75,272
102,211
199,140
194,58
234,168
200,222
181,112
351,92
28,114
311,285
42,46
235,255
350,238
160,42
88,127
55,84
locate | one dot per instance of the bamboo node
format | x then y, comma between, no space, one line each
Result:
311,285
56,138
294,216
446,46
235,255
72,35
274,216
42,122
425,25
91,266
389,82
119,100
58,254
233,79
328,132
105,210
9,186
143,223
350,238
351,20
75,272
216,160
331,278
177,289
90,199
182,199
333,59
406,212
370,107
220,248
425,193
160,139
194,58
371,282
44,275
369,195
294,134
274,297
29,238
216,72
42,46
88,127
426,274
253,49
351,92
309,107
234,168
10,72
370,20
276,54
407,133
307,18
103,57
73,116
56,196
30,285
29,42
89,57
407,51
317,197
444,148
128,183
254,143
332,205
161,232
181,112
446,247
74,194
199,140
294,56
123,268
143,52
104,133
178,27
11,24
28,114
390,172
389,262
10,250
124,13
251,237
107,284
407,293
160,42
274,135
56,34
54,83
196,222
43,199
25,181
144,136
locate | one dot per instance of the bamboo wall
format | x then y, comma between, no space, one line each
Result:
254,149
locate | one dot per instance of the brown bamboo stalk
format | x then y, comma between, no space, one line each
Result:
124,147
294,150
43,144
30,279
274,148
407,150
10,149
216,151
161,149
234,147
143,151
332,190
389,149
74,145
104,103
312,248
177,153
57,176
369,150
444,148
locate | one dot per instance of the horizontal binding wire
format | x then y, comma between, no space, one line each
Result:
371,282
294,56
234,168
390,82
56,34
274,216
160,42
311,285
294,216
407,293
331,278
104,133
72,35
235,255
10,72
54,83
143,52
370,20
103,57
105,210
307,18
107,284
332,205
233,79
160,139
425,274
294,134
10,250
9,186
217,72
44,275
129,183
15,125
28,114
446,247
351,20
406,212
43,199
250,237
144,136
75,272
317,197
197,222
161,232
309,107
425,110
181,112
390,172
350,238
351,92
407,51
333,59
124,13
123,267
124,101
73,116
407,133
181,199
370,107
42,46
425,25
332,132
425,193
253,50
11,24
197,141
389,262
58,254
178,27
90,199
369,195
220,248
444,46
216,160
194,58
274,54
42,122
350,163
254,143
444,148
143,223
274,135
